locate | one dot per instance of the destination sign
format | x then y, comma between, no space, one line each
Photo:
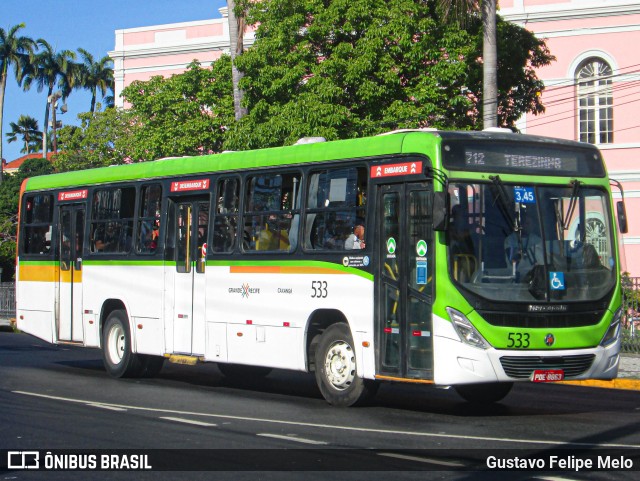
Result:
523,158
191,184
73,195
393,170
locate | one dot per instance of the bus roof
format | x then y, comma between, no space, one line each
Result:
397,143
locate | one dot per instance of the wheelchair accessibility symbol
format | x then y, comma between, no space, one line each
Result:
556,281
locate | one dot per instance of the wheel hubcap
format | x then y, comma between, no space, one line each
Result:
340,365
116,344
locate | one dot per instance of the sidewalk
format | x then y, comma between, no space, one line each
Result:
5,322
629,366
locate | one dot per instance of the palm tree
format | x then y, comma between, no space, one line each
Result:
48,69
461,8
14,52
95,76
27,129
236,41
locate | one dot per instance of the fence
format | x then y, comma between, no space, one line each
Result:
630,318
631,314
7,300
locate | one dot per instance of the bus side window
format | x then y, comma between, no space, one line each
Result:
270,210
112,214
148,227
38,217
336,203
225,223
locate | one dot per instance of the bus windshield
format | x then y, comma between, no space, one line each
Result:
526,243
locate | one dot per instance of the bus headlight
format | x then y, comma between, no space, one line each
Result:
613,333
467,332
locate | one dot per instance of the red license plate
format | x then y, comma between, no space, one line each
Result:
547,375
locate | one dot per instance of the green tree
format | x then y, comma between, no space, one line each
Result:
343,69
26,129
48,70
102,139
185,114
95,75
14,52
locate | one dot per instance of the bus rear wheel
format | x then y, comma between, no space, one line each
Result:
484,393
336,373
118,359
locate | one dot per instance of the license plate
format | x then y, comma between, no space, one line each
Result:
547,375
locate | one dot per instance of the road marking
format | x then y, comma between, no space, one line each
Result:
187,421
106,406
291,438
418,434
555,478
422,460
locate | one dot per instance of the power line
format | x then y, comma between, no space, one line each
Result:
574,82
574,116
573,110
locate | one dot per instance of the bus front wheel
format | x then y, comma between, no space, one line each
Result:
484,393
118,359
336,376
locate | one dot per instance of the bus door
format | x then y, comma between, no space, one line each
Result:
191,223
71,239
404,280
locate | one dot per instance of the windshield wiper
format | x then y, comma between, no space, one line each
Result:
575,184
501,197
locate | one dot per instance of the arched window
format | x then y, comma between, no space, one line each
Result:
595,101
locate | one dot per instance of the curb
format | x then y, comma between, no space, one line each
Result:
619,383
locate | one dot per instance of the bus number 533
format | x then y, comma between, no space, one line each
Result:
319,289
518,340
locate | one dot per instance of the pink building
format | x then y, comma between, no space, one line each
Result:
140,53
592,90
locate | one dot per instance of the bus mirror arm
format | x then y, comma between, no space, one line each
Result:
440,211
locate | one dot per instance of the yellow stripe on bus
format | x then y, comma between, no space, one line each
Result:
47,274
282,270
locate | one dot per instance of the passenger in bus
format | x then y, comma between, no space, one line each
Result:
590,257
355,240
524,249
148,236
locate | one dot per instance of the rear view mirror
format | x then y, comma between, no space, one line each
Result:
622,217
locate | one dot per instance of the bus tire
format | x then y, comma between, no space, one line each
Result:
486,393
239,371
335,369
118,359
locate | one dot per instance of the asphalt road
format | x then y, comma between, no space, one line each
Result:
279,427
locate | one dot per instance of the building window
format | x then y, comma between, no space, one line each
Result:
595,101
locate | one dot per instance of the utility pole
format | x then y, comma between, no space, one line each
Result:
490,66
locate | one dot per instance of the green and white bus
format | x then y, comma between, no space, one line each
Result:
488,258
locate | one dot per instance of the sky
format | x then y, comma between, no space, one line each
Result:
88,24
